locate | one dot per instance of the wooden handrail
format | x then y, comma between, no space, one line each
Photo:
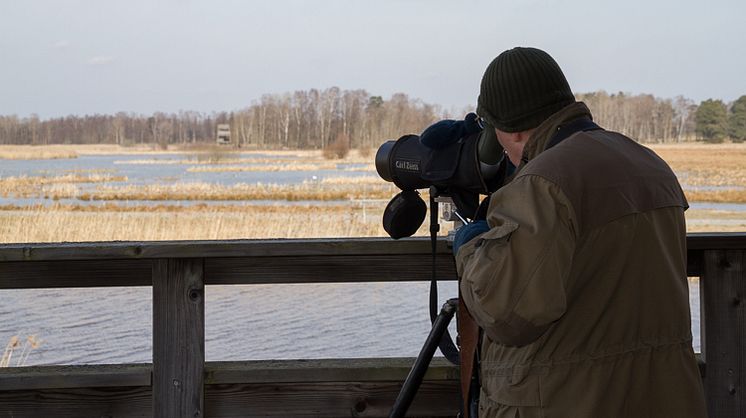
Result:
256,261
129,250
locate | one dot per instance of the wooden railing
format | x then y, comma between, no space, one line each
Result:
180,384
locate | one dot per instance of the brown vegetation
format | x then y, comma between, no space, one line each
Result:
708,172
207,191
108,222
83,223
355,208
51,186
337,149
25,152
11,358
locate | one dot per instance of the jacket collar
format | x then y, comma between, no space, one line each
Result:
543,134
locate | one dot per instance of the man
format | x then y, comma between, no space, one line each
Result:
578,275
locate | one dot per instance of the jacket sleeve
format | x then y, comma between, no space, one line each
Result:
514,276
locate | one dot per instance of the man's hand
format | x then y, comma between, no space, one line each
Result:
468,232
446,132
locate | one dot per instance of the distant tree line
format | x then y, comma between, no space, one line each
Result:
311,119
319,119
715,120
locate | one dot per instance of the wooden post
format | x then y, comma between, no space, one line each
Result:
178,338
724,287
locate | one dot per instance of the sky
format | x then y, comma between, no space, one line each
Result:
62,57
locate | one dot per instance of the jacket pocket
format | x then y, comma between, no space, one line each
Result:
519,387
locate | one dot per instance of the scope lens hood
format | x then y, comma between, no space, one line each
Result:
404,214
383,160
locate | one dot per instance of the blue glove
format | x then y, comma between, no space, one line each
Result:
467,232
446,132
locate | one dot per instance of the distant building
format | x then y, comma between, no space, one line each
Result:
224,134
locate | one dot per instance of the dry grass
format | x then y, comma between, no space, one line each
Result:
706,164
717,196
207,191
36,152
58,224
31,343
54,187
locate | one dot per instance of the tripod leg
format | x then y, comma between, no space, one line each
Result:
414,378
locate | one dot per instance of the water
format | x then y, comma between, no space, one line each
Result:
242,322
729,207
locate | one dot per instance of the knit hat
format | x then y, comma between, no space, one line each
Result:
521,88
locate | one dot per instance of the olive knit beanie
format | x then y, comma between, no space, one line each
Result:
521,88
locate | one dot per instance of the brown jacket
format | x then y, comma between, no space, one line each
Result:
580,284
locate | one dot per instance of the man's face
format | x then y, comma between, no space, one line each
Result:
513,143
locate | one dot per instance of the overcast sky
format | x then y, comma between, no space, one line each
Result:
60,57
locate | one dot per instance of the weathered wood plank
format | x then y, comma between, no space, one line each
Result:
246,270
247,262
392,369
94,273
287,400
327,268
272,248
723,289
96,402
178,338
324,370
211,249
79,376
329,400
241,389
716,240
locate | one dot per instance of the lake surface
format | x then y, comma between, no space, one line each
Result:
245,322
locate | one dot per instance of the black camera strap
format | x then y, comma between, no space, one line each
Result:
446,345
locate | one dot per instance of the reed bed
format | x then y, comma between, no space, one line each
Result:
715,165
75,223
207,191
307,221
248,207
716,196
55,187
36,152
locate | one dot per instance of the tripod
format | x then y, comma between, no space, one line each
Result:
438,336
414,378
